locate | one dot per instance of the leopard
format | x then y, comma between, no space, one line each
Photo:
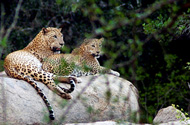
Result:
82,61
26,64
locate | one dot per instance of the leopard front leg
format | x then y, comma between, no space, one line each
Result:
114,73
67,79
47,79
70,80
59,90
72,83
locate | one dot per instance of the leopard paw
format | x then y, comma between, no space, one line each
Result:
76,80
79,80
66,96
115,73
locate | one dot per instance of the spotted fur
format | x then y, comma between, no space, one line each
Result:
81,62
26,64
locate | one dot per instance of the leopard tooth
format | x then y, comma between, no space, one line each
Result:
57,52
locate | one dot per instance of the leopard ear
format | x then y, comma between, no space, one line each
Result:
44,30
102,39
86,41
60,29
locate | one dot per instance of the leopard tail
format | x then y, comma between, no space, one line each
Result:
72,88
43,96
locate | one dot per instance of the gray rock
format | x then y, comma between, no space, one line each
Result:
107,123
169,114
187,122
20,103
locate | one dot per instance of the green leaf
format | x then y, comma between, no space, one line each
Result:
108,94
90,109
4,42
98,11
74,7
58,2
99,31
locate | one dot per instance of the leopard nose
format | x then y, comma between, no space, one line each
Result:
61,44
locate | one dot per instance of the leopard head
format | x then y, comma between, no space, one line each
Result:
54,38
93,46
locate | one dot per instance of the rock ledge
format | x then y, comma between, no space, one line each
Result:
20,103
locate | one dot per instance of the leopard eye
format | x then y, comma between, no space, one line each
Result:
55,36
93,45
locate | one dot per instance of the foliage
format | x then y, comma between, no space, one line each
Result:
143,40
179,113
170,79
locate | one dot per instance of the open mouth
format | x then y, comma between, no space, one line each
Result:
96,55
56,50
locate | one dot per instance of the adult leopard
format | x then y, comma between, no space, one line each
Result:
81,62
26,64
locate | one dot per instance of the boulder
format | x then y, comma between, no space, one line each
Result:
97,98
181,122
187,122
169,114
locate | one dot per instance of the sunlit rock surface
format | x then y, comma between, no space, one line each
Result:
97,98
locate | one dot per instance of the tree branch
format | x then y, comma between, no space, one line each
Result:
14,20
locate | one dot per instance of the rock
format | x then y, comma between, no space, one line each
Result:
128,123
169,114
97,123
107,123
97,98
186,122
